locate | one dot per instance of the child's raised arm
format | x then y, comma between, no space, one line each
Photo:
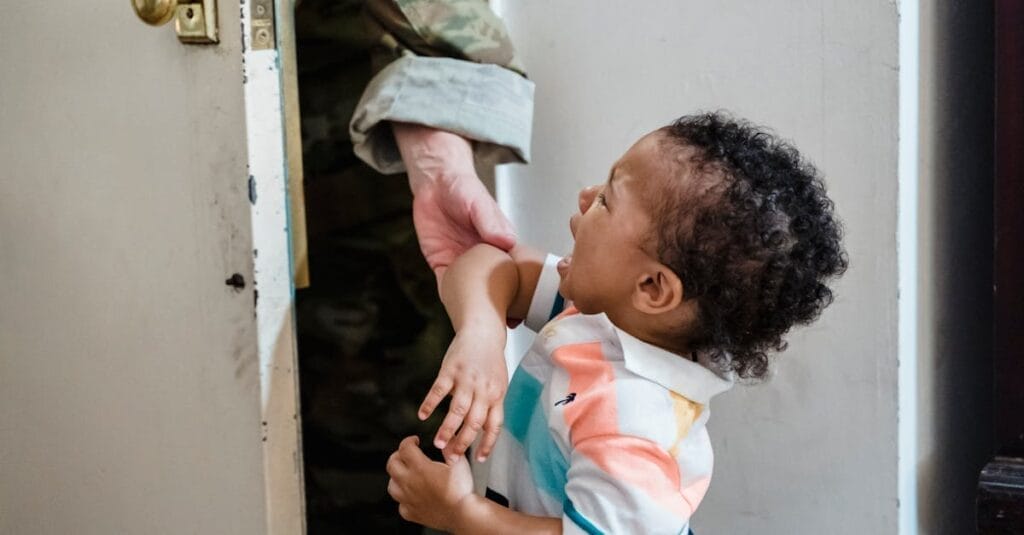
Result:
481,290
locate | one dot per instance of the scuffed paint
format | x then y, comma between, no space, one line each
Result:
273,294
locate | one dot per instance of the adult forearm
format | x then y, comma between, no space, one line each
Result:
432,155
478,515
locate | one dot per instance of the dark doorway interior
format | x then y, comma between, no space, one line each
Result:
1001,486
371,330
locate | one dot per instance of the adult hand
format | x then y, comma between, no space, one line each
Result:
452,211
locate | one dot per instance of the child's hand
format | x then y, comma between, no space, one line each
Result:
474,373
428,492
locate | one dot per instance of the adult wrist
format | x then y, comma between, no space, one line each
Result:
433,156
437,177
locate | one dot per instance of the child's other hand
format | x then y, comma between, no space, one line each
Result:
474,374
428,492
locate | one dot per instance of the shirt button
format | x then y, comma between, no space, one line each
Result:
548,332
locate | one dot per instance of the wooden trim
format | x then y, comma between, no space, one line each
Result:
293,142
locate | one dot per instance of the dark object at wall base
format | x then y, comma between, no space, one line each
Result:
1001,497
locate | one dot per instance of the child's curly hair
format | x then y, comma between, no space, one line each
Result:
754,238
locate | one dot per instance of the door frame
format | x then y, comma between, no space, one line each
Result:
279,255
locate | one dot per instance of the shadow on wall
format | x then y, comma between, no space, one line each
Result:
955,361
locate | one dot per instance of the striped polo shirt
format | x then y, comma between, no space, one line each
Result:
602,429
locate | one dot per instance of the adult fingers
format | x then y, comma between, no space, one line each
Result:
441,387
491,224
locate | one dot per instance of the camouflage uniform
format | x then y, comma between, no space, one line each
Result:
371,329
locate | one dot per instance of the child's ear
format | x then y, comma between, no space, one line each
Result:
658,290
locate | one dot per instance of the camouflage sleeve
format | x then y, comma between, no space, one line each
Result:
448,64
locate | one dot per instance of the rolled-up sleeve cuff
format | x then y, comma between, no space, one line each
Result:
486,103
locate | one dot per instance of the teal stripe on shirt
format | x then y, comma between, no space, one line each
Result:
527,423
578,519
557,307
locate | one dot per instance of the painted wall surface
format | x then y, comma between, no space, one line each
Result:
954,361
813,450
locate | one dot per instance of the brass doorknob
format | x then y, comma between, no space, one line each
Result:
195,20
155,12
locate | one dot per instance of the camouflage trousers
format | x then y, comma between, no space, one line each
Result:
372,333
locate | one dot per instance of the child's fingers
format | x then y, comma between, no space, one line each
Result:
396,467
492,429
442,386
470,429
395,491
462,399
409,451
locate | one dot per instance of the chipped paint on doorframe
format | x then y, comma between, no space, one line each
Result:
272,277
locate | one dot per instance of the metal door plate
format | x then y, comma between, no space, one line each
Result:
263,37
196,22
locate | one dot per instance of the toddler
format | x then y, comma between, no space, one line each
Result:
708,241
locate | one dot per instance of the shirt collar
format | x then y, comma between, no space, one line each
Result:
692,380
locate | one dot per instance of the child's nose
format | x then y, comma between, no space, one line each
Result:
586,197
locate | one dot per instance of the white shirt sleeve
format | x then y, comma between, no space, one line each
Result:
547,302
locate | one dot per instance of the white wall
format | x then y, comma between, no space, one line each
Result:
814,450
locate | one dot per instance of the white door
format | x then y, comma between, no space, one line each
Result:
144,388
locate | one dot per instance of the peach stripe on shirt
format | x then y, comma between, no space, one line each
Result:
592,421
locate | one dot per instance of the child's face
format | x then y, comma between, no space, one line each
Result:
611,229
